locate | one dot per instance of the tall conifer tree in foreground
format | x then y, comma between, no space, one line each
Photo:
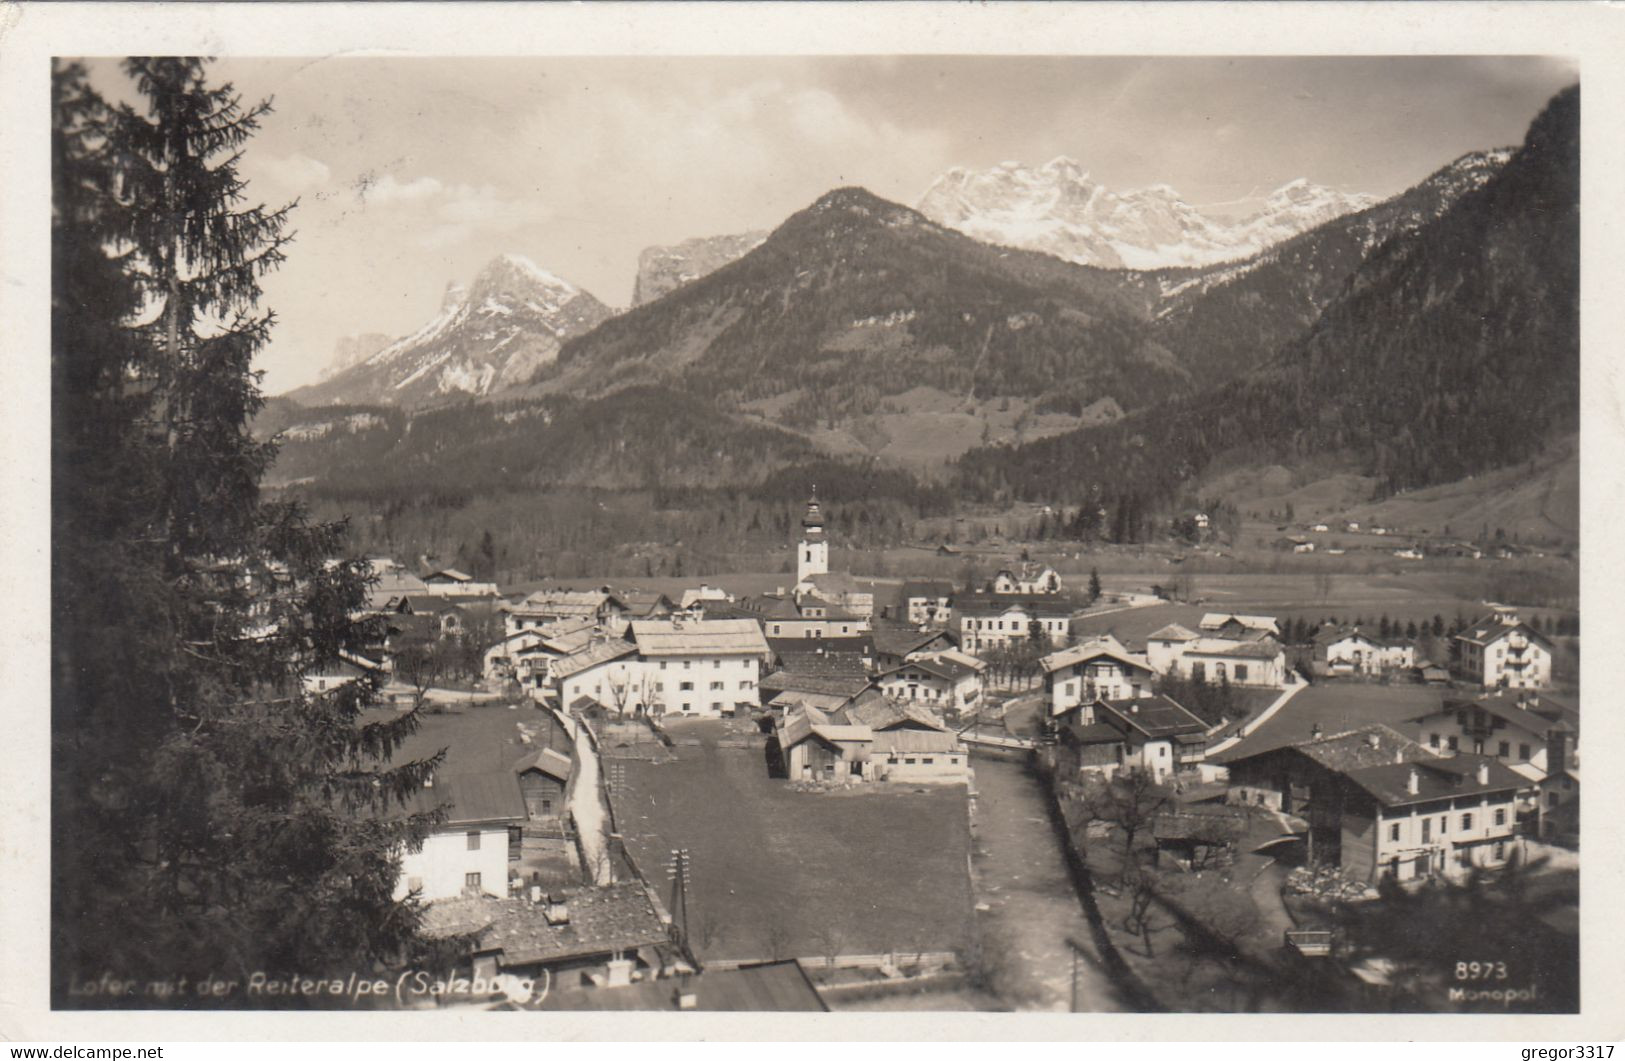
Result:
209,816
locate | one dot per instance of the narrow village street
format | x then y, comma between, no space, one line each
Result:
1032,911
590,813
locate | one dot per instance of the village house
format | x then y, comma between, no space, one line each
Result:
1537,738
1352,651
783,689
544,607
895,645
1030,580
583,938
468,853
824,655
348,667
605,671
1154,735
1254,658
1377,803
986,623
943,682
872,739
769,986
929,602
1501,649
451,582
544,783
695,601
702,666
782,616
1098,669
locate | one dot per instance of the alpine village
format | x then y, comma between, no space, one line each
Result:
890,610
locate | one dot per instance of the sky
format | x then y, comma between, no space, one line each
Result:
413,173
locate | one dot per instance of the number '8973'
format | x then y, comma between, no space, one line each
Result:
1481,970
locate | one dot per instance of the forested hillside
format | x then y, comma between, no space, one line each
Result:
1453,349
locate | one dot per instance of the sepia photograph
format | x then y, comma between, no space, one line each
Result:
837,533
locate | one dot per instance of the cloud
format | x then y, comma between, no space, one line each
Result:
448,213
295,173
373,190
750,143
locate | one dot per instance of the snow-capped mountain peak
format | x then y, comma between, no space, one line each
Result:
1059,209
492,334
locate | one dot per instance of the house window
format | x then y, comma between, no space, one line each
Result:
928,760
1523,751
662,664
547,806
716,705
716,687
744,685
1455,745
1500,816
716,664
1551,799
686,687
685,664
1503,750
1500,850
1433,739
1241,672
953,760
474,841
471,881
1466,822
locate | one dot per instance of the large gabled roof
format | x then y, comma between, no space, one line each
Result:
554,764
1494,627
1154,717
590,656
472,799
1076,654
1529,712
787,681
657,638
1389,783
1173,632
1215,620
893,641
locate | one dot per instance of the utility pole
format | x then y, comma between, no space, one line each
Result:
677,869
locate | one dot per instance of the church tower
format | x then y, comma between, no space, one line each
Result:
812,555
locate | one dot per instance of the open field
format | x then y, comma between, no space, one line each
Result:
877,869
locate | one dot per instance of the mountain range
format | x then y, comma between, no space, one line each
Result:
1056,208
863,329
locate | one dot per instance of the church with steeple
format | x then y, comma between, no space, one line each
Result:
812,553
819,592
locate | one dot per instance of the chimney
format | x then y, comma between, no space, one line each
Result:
536,894
1413,782
557,911
1315,731
687,998
620,972
1373,739
1483,773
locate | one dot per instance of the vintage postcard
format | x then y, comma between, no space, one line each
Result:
737,520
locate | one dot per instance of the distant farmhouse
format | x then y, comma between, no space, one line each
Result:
1345,651
1029,580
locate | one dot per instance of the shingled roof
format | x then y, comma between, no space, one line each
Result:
619,917
1459,775
1154,717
